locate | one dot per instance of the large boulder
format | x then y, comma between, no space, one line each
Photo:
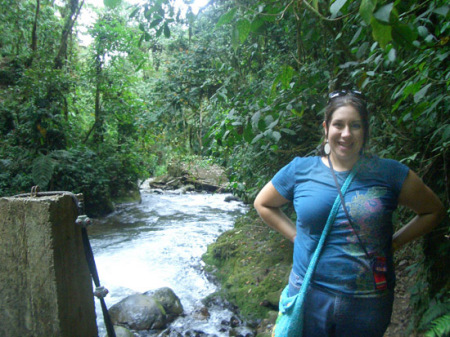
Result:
169,300
139,312
151,310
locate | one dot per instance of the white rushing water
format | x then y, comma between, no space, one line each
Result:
159,243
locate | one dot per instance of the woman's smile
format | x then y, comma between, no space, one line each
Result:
345,135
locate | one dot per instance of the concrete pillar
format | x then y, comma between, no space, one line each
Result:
45,284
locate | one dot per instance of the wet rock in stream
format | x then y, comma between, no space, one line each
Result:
147,311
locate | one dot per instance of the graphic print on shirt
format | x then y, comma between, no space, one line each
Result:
367,212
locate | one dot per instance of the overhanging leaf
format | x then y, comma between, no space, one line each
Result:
366,9
336,7
381,33
404,35
421,93
286,76
111,3
276,135
166,30
226,18
134,12
384,13
256,24
243,27
235,39
155,22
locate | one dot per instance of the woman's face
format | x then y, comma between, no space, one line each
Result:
345,134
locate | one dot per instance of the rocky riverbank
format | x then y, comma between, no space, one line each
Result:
252,263
193,176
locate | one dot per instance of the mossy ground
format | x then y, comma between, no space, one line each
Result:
252,262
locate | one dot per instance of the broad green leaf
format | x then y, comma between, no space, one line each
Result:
273,124
141,39
298,114
362,49
248,134
243,26
166,30
159,31
423,31
268,119
403,34
235,39
256,24
226,18
256,116
288,131
111,3
442,10
336,7
381,33
419,110
133,13
384,13
258,137
276,135
446,134
148,13
286,76
366,9
356,36
392,55
421,93
156,22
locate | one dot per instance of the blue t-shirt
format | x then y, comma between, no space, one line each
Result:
371,199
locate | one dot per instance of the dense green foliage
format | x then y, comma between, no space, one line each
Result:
242,82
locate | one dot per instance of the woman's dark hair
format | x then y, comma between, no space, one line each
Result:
343,98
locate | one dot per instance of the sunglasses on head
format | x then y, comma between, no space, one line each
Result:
341,93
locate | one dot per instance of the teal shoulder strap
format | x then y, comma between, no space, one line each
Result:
315,258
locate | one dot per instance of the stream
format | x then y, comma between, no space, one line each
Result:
159,243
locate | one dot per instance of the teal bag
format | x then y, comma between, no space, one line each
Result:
290,317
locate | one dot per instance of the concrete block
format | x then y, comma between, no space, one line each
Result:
45,284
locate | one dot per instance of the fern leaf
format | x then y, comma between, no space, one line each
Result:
435,310
440,327
42,171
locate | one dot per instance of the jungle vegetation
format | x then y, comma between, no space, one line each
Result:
240,83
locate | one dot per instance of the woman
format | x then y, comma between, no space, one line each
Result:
351,291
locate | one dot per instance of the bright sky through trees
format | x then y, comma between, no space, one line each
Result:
88,16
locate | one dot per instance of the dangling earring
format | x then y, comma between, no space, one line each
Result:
327,148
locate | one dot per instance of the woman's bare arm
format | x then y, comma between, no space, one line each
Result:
267,204
424,202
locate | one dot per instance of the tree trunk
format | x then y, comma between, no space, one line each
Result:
98,125
33,33
74,10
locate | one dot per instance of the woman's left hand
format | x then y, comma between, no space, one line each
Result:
425,203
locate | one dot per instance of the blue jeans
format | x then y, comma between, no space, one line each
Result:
339,315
